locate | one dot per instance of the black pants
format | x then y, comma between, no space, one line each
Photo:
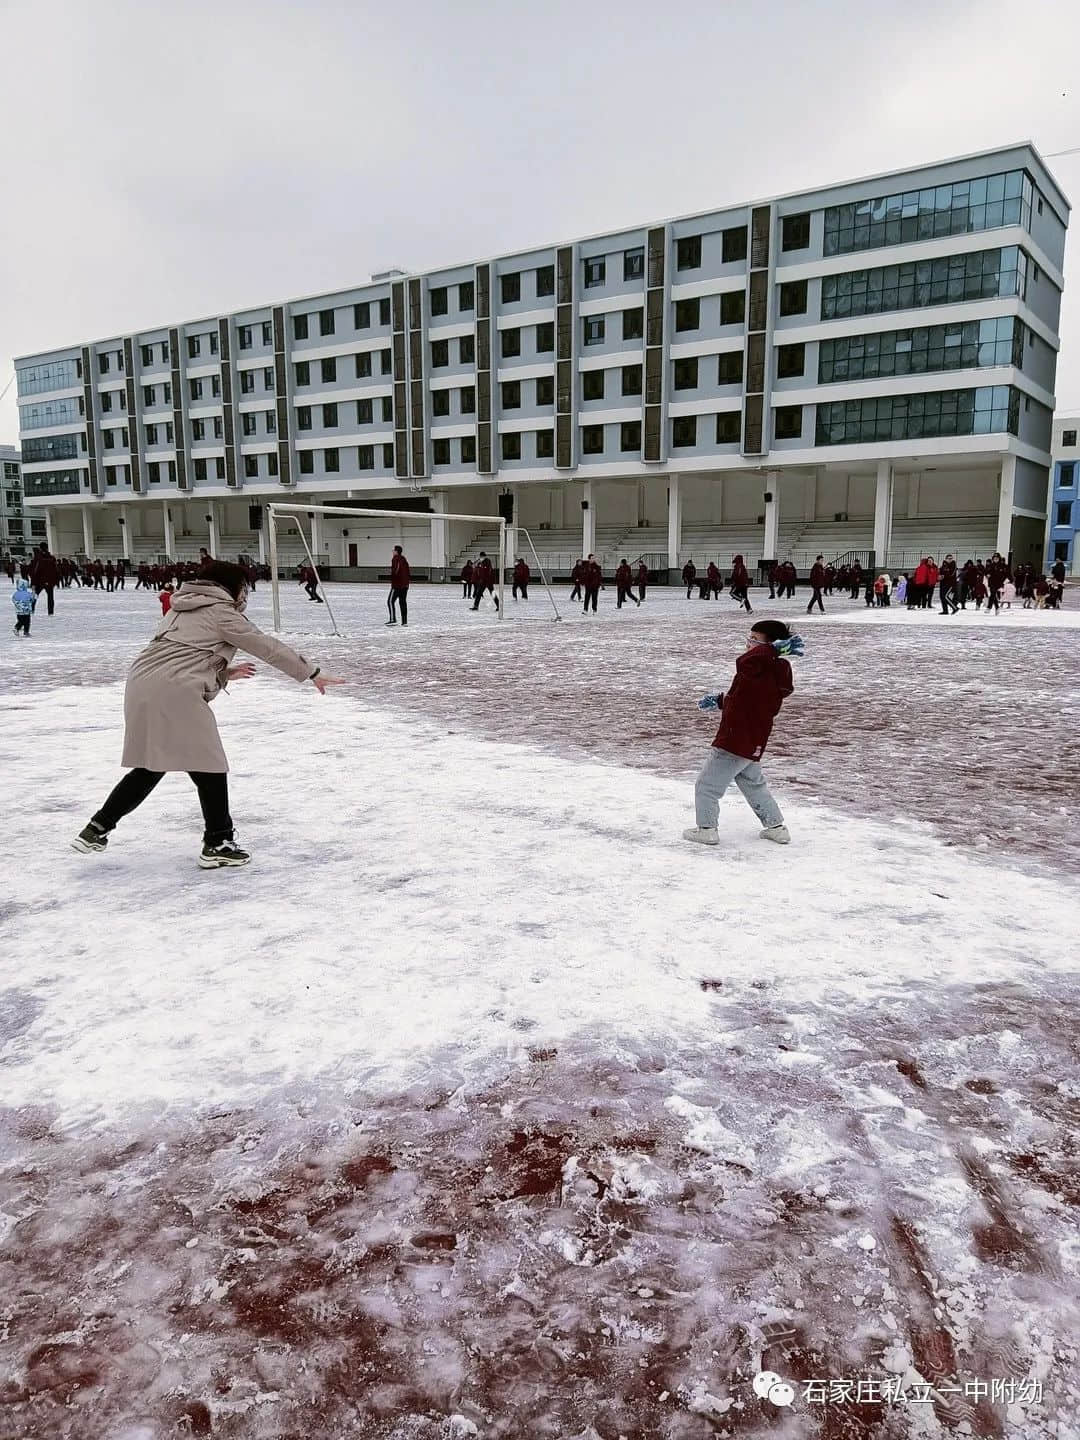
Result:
790,592
575,593
689,589
136,785
466,589
479,592
815,598
399,597
312,588
947,601
624,593
22,622
48,595
120,583
590,597
110,583
640,593
523,586
992,602
855,591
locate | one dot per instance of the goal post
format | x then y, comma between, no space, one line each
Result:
296,513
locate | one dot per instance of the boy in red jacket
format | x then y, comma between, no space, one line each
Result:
761,685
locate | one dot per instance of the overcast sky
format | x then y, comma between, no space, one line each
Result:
171,160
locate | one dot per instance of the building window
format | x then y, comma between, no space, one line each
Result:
215,387
384,310
440,354
271,423
790,361
468,449
630,435
303,372
168,432
151,435
219,467
200,469
388,457
148,396
147,354
196,387
303,417
988,410
795,232
1067,474
545,390
687,314
267,333
545,281
733,307
331,461
545,444
439,300
594,330
106,401
387,410
729,427
329,371
729,368
684,431
511,343
688,253
361,316
167,393
213,338
363,365
268,377
364,412
440,402
467,349
510,286
198,430
686,374
595,270
153,471
247,382
329,417
468,400
592,440
365,457
793,298
164,356
271,464
300,327
631,379
1064,512
194,346
963,345
307,461
243,336
440,452
983,275
633,324
957,209
545,338
511,395
251,467
788,422
103,366
326,322
1068,438
511,446
592,385
633,263
465,294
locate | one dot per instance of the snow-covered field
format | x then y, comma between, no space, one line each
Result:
480,1103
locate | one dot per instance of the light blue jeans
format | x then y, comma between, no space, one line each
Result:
720,769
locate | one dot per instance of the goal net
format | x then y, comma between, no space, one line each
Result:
295,515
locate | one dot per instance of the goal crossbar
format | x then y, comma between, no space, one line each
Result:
297,511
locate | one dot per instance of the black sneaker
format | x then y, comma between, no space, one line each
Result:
91,839
225,854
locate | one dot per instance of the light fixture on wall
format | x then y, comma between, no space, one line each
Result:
120,520
209,519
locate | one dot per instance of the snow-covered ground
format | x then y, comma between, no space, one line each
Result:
480,1103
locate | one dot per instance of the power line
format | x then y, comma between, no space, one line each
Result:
1057,154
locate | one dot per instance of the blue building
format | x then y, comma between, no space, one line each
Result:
1063,518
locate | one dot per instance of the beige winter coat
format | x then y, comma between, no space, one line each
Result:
168,723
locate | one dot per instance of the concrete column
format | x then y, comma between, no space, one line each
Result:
588,521
512,531
674,523
317,539
1006,488
87,529
810,497
913,495
883,513
772,515
642,506
263,556
50,531
718,493
215,529
169,541
125,537
438,536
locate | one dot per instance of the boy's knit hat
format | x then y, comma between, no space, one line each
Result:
779,637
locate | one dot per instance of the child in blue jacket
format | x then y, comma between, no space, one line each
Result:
24,600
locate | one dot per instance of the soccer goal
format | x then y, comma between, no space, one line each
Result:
295,513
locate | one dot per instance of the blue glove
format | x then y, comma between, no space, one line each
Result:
710,702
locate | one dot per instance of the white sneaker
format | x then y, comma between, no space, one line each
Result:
700,836
778,834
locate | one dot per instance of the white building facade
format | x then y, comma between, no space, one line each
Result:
19,531
857,369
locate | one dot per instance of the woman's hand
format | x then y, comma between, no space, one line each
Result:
323,682
244,671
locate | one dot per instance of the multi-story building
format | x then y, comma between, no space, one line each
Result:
17,531
865,367
1063,519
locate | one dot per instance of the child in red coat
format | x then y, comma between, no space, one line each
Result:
165,597
762,683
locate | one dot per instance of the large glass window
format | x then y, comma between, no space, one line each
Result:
52,375
957,209
50,447
51,482
49,412
965,345
983,275
989,410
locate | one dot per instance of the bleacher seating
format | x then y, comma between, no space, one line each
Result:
967,537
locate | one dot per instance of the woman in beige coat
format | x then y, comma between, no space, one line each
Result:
168,723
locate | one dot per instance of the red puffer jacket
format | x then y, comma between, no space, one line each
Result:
761,685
